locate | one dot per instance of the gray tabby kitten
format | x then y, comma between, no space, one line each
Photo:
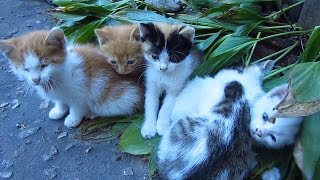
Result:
209,137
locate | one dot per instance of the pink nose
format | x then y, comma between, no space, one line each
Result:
36,80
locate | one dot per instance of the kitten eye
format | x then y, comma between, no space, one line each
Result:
43,66
131,62
154,56
113,62
26,69
265,117
273,138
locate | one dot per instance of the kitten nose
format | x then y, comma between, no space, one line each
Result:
163,67
36,80
259,132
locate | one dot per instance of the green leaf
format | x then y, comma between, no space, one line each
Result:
152,165
70,19
132,142
271,83
206,43
115,5
305,82
68,2
136,16
312,50
86,8
86,32
244,30
307,153
223,53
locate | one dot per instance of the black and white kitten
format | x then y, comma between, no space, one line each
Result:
171,58
209,137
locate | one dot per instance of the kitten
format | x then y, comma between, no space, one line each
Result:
273,135
171,58
122,46
210,137
272,174
77,78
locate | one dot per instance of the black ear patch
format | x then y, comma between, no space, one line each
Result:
178,47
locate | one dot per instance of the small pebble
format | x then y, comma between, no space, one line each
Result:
69,146
28,132
128,172
5,175
7,163
4,104
15,103
62,135
53,151
21,126
44,104
51,173
88,149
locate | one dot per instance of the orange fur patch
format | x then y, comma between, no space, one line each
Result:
34,42
121,44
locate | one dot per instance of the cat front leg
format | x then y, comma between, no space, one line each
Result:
149,127
58,111
163,121
77,113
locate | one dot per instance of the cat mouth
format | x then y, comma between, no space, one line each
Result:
47,87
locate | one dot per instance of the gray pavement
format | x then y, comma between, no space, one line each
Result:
29,143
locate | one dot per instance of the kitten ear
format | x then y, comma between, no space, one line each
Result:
145,28
56,38
135,34
187,32
280,91
266,66
6,47
101,35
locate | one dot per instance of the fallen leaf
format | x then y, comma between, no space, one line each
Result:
62,135
88,149
15,103
28,132
4,104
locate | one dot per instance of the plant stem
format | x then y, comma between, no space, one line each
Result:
252,50
271,55
278,71
285,9
285,33
287,51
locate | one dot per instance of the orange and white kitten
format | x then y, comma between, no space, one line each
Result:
122,46
76,78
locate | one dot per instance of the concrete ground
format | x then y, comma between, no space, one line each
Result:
29,143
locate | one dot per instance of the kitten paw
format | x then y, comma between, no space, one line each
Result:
162,126
57,112
71,122
272,174
148,130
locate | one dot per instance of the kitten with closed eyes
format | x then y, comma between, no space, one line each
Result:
277,132
122,46
76,78
209,137
171,57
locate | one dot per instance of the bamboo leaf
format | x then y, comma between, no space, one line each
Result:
136,16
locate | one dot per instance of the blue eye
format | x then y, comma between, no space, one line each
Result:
265,117
273,138
26,69
131,62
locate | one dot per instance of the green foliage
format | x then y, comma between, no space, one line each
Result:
308,154
228,31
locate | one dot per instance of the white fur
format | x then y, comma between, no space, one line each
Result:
201,94
272,174
169,81
70,92
284,129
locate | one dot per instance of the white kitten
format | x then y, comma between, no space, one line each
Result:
273,135
272,174
171,58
